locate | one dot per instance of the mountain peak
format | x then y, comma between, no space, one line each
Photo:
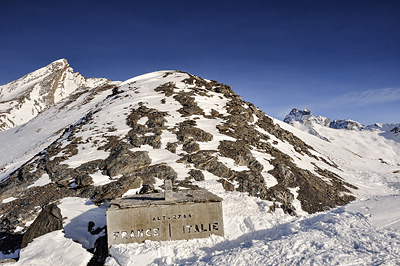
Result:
38,90
170,125
305,116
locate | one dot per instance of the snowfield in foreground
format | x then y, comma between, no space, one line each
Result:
361,233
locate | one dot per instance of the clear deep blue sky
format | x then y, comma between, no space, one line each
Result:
341,59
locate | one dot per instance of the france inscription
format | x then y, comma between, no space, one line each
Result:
150,218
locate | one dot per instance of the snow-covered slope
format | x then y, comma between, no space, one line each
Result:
22,99
118,139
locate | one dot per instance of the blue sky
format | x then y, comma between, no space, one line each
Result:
341,59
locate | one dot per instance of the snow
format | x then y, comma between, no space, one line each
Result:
77,213
19,144
18,229
62,251
99,179
381,212
44,180
8,200
364,232
343,236
25,98
86,153
131,192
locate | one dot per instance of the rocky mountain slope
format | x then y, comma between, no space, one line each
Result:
22,99
118,139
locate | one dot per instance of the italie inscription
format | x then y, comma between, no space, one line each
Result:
186,214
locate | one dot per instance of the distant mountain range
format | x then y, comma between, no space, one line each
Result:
305,120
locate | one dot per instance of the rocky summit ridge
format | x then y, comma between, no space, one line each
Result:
128,137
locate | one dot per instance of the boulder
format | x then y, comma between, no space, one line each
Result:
196,175
48,220
125,162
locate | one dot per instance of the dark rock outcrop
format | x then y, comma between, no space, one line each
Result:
48,220
9,242
196,175
124,161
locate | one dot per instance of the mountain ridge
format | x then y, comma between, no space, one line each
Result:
305,116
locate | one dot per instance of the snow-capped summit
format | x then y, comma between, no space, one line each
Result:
24,98
305,116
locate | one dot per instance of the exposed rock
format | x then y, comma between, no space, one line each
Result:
48,220
89,167
203,85
188,130
215,113
83,181
167,89
147,189
204,161
172,147
346,124
190,146
189,106
252,183
160,171
9,243
240,154
300,146
228,186
196,175
138,140
395,130
314,193
114,189
19,211
123,161
282,195
150,132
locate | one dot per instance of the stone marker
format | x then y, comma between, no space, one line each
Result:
171,215
168,194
